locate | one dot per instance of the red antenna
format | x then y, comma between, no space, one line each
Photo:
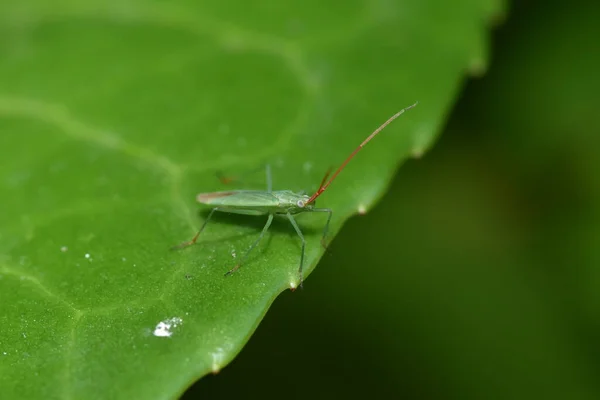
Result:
325,183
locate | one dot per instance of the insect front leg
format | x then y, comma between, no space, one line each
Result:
191,242
326,229
265,229
299,232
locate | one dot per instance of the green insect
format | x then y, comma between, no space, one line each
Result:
279,202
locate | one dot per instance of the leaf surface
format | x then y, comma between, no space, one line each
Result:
114,115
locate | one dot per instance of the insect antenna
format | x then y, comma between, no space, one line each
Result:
325,177
325,183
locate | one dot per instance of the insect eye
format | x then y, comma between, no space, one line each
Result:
300,203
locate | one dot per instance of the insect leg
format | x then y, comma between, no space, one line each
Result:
326,229
269,180
265,229
228,179
191,242
297,228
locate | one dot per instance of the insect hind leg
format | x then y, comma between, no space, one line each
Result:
195,238
242,179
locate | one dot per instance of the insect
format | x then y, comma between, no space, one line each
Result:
276,202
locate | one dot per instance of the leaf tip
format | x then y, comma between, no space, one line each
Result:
217,360
362,209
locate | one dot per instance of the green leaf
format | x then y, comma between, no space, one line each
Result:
113,115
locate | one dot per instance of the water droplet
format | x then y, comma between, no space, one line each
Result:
163,328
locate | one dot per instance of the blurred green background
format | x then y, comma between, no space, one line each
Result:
478,275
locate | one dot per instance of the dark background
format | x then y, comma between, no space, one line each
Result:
478,275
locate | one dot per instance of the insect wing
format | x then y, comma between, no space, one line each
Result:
238,198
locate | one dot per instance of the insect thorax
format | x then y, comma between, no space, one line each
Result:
292,202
